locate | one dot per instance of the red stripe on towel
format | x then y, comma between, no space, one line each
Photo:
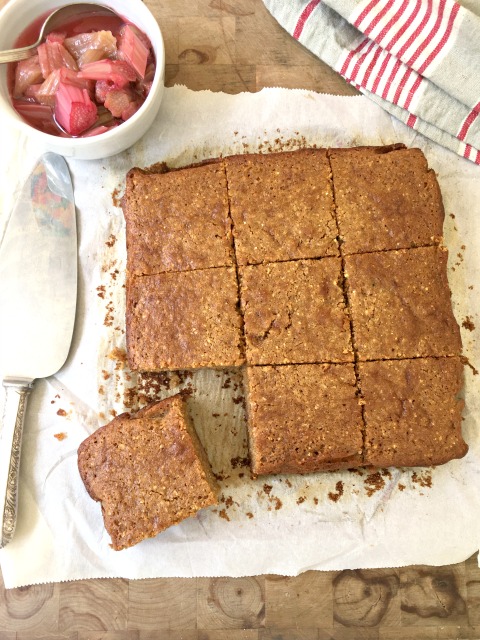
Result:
469,120
365,13
444,40
306,13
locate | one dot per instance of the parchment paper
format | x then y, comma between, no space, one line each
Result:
284,524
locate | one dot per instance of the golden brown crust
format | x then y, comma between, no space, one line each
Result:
412,411
281,206
303,418
177,220
401,304
146,472
184,320
388,200
295,312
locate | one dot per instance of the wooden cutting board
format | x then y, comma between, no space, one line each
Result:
234,46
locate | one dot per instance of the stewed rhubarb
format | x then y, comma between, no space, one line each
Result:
85,79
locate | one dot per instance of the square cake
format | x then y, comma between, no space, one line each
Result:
282,206
184,320
401,304
386,198
412,411
303,418
178,221
149,471
295,312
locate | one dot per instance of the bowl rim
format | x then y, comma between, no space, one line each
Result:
124,128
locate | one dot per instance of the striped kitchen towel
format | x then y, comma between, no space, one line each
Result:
418,59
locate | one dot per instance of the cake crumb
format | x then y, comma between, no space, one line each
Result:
301,499
223,514
60,436
61,412
249,514
424,479
401,487
267,488
112,239
335,497
374,482
468,324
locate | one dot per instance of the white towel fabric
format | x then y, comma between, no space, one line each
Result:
418,59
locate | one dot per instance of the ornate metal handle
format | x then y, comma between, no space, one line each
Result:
17,391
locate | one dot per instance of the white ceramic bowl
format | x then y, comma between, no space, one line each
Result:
18,14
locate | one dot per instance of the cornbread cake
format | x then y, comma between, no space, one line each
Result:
386,198
303,418
177,221
149,471
401,304
412,411
294,312
184,320
282,206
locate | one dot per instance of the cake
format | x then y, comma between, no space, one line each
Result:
413,415
148,470
262,188
184,320
295,312
303,418
401,305
385,198
323,274
178,220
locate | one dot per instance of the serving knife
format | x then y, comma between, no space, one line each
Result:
38,295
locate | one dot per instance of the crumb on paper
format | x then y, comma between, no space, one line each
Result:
301,499
465,361
60,436
267,488
335,496
239,462
223,514
111,240
424,478
62,413
249,514
468,324
374,482
119,355
401,487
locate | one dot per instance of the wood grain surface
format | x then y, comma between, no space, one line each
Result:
234,46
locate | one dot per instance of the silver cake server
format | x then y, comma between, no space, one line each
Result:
38,295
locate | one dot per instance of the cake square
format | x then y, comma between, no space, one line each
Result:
294,312
303,418
184,320
386,198
412,412
281,206
149,471
178,221
401,304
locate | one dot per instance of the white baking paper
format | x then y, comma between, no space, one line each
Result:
284,524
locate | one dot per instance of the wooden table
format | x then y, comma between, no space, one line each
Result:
234,46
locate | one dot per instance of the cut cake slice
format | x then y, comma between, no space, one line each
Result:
294,312
385,198
303,418
413,414
401,304
149,471
281,206
185,320
178,220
